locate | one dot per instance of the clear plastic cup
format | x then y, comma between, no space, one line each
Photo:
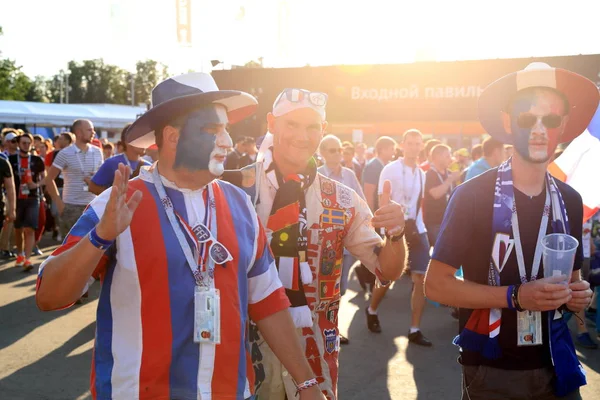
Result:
558,255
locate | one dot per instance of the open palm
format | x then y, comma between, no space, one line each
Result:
119,211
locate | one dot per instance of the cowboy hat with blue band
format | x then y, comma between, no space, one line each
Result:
580,93
182,94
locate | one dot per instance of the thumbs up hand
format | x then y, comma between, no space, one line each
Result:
386,196
390,214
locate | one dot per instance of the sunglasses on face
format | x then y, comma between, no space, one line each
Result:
317,99
335,151
528,120
14,141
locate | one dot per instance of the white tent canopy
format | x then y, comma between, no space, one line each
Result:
103,116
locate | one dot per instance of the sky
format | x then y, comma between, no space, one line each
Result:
43,35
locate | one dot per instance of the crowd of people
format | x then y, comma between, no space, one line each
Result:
47,192
223,264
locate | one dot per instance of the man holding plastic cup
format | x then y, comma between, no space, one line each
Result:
511,324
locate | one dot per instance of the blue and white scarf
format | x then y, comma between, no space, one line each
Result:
483,327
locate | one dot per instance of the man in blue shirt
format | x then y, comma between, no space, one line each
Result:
103,178
493,155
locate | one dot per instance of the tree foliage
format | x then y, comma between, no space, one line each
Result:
148,74
14,84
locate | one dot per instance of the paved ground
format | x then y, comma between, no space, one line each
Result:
47,355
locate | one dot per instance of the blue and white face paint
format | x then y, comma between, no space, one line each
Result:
204,141
537,123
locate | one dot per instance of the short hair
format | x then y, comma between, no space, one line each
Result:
239,139
38,137
107,146
362,145
25,135
68,136
477,151
48,144
176,122
383,142
327,139
78,122
412,132
439,148
347,144
429,145
249,140
124,135
6,131
490,145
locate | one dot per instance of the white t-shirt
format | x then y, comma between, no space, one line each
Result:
408,184
75,165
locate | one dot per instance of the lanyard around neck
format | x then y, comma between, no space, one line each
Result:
408,196
81,164
537,257
28,163
201,279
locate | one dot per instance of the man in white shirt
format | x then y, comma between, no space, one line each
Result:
78,163
408,182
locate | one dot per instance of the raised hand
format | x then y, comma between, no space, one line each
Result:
545,294
390,214
119,211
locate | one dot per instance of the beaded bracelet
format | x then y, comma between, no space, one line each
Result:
305,385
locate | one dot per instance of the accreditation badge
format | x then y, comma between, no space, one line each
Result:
25,189
529,328
207,315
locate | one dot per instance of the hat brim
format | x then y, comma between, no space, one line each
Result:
239,105
581,93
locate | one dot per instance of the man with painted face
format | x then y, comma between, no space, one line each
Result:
511,317
311,219
183,259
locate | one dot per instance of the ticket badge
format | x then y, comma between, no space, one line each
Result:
207,320
86,188
529,328
24,189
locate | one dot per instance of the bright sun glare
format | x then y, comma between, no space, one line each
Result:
297,32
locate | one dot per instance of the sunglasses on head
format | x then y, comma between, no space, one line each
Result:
334,151
528,120
317,99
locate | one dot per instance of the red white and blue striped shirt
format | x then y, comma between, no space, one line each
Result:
144,346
